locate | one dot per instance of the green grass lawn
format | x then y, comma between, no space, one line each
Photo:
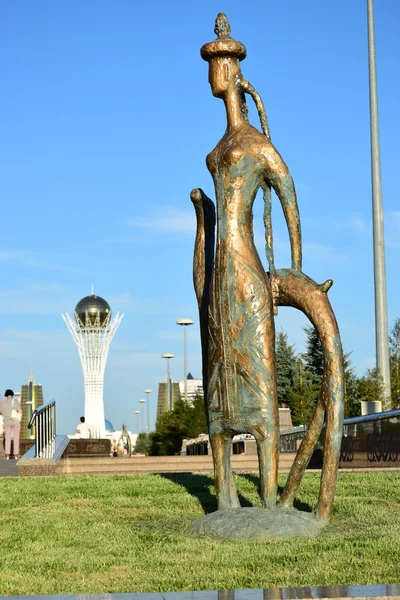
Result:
92,534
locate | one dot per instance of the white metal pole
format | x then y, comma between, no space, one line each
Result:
381,318
148,392
137,412
185,361
169,385
142,401
168,355
185,322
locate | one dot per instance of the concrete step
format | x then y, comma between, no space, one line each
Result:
160,464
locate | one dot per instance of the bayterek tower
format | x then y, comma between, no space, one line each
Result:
92,332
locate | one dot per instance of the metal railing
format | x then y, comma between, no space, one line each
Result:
44,420
289,437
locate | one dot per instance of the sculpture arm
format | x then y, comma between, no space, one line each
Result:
203,258
269,246
203,263
285,190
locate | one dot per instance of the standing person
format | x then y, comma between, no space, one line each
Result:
83,430
10,409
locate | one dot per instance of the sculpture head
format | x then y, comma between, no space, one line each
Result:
223,72
223,56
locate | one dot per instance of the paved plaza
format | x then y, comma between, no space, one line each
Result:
359,592
8,468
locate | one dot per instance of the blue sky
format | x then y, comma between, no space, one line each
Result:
107,118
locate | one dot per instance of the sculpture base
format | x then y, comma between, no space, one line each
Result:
257,524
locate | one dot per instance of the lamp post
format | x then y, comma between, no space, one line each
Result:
148,392
184,323
381,318
168,356
137,413
142,401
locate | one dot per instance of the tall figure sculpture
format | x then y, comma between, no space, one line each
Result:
237,299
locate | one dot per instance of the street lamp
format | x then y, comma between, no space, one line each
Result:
184,323
168,355
137,413
148,392
142,401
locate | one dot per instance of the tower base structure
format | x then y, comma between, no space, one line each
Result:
92,332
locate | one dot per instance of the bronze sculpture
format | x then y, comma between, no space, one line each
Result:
237,299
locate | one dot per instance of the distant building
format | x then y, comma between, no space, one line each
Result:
163,397
194,388
31,398
177,391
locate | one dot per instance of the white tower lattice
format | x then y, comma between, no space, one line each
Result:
92,333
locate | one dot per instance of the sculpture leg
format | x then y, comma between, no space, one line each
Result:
333,438
303,456
268,456
225,485
295,289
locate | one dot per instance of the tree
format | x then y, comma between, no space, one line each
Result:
394,354
302,395
285,367
143,443
198,417
184,421
371,386
314,355
352,395
171,429
314,365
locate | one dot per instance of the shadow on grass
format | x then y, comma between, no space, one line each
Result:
255,480
198,486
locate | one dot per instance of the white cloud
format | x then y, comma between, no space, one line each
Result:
121,298
33,306
393,229
396,215
39,298
357,223
171,221
355,331
56,288
35,298
27,259
312,251
354,222
303,189
10,292
20,344
322,253
278,243
135,361
368,362
192,334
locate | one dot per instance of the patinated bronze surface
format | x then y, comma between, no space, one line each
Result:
237,299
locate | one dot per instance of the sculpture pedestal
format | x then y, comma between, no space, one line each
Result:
257,524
